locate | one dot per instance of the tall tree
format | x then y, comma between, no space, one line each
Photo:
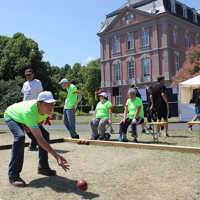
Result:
17,54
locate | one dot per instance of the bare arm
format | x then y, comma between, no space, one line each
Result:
152,104
137,112
165,99
125,113
44,144
78,100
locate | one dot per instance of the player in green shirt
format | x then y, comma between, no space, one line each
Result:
134,110
103,116
73,97
28,115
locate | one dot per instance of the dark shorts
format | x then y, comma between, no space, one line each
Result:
162,112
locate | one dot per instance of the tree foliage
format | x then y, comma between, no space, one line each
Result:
18,53
190,68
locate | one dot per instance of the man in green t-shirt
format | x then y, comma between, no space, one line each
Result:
135,111
28,116
73,97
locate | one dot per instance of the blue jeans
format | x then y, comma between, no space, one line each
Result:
70,121
17,153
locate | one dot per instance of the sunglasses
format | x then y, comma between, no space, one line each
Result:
28,74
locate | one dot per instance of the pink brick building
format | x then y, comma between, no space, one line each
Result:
144,39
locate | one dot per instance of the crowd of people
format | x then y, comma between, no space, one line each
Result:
37,105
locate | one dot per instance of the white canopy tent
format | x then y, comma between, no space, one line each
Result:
186,110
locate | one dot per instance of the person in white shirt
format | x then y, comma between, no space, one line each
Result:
31,89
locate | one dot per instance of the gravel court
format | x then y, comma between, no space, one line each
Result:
111,173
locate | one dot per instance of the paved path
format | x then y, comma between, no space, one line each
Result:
172,126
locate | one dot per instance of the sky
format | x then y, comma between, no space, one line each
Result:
65,30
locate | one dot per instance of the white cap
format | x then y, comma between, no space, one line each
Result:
64,80
104,94
46,97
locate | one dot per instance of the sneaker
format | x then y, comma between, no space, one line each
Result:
120,138
166,134
46,171
143,131
125,140
17,181
190,128
149,128
135,140
106,136
75,136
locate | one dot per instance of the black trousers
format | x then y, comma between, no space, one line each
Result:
124,126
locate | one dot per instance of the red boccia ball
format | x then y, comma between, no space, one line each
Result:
82,185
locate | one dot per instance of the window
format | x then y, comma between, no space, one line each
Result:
197,39
179,10
117,71
131,69
118,98
144,38
187,40
127,18
177,60
116,45
129,42
146,68
175,35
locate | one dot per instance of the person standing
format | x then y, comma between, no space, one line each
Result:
161,103
29,115
73,97
150,111
31,89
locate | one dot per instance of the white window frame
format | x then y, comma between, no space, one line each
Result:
197,39
130,41
175,35
177,62
117,71
146,68
144,38
130,69
187,40
116,45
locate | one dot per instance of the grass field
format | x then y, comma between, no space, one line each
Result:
111,172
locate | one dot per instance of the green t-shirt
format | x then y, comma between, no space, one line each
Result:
71,98
25,112
102,109
132,107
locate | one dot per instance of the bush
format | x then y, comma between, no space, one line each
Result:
84,109
1,114
118,109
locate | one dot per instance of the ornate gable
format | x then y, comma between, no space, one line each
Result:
127,17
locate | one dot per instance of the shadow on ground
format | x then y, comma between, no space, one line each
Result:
61,185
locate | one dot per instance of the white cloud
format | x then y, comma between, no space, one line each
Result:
89,59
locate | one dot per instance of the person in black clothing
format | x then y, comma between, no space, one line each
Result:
161,103
150,112
139,95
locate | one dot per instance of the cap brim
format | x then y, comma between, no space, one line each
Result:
50,101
